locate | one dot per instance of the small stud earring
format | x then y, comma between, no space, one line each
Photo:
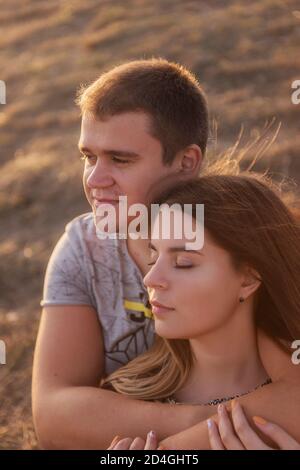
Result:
241,299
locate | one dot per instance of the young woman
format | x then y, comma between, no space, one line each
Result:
208,304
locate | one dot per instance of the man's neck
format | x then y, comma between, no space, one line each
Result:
139,252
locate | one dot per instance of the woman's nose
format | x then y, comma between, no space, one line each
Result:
155,279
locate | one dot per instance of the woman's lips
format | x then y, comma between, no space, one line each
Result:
161,310
158,308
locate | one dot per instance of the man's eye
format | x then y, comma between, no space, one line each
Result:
86,157
119,160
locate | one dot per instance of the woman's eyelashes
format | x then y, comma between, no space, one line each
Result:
180,266
183,265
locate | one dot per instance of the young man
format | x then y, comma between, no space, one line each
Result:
141,121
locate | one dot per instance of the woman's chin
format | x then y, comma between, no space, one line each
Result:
166,332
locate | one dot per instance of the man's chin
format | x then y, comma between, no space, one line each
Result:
111,235
108,231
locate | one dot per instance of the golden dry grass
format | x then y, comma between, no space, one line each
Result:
246,54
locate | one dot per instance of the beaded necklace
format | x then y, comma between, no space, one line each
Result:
217,401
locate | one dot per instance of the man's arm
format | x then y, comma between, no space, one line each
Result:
278,402
70,411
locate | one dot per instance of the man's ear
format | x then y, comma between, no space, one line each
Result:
190,160
250,283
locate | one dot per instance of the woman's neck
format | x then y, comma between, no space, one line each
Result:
227,361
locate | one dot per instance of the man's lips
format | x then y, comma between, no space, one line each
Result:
98,201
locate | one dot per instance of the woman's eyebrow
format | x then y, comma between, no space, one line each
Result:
175,249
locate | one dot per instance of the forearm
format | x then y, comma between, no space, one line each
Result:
89,418
278,402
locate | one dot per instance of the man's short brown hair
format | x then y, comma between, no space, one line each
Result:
169,93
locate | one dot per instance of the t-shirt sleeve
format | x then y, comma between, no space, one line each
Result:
65,280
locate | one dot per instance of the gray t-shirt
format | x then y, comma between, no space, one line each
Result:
85,270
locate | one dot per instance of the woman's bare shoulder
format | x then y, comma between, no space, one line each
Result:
276,360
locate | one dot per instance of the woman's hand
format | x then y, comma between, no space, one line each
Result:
135,444
240,436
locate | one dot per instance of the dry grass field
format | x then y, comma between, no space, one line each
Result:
246,55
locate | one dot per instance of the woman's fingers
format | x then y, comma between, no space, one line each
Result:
151,442
277,434
240,435
228,436
214,436
137,444
245,433
123,444
134,444
113,442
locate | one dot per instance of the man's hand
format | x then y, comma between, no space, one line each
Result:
238,435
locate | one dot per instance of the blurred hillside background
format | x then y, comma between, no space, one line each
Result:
246,55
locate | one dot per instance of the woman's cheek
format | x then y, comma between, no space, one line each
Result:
204,295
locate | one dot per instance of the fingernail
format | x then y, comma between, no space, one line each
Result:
114,441
220,409
152,435
259,420
233,403
209,423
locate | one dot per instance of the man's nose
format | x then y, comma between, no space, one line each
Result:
100,176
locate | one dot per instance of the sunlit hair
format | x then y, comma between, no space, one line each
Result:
167,92
246,216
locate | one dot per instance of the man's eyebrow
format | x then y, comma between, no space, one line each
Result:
175,249
111,152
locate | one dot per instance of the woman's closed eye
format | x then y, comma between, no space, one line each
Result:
180,264
183,263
